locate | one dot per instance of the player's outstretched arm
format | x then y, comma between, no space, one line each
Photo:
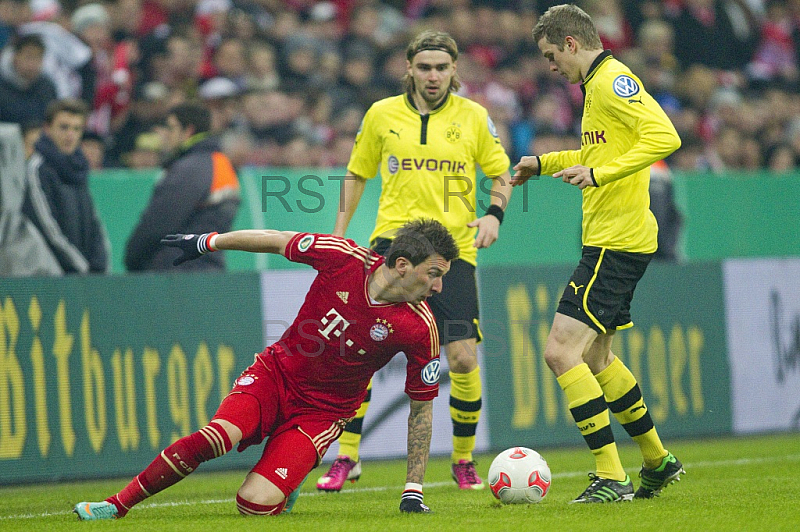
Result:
420,422
527,167
253,240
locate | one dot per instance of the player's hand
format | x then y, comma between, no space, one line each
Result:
412,503
488,230
526,167
578,175
191,246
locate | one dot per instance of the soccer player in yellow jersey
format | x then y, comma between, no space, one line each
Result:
427,143
623,132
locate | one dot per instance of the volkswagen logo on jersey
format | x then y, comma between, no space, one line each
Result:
393,164
492,127
305,243
430,373
625,86
379,332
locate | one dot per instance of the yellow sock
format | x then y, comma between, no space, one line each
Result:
465,410
625,400
350,440
588,408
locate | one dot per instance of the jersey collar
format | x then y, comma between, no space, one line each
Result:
604,56
410,103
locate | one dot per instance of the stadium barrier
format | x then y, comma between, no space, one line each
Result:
740,215
98,374
676,350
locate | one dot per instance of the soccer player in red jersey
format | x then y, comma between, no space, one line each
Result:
299,393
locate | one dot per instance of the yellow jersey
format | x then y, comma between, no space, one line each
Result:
428,163
623,132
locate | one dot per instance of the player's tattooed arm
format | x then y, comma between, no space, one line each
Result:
420,423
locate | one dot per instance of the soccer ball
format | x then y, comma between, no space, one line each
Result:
519,475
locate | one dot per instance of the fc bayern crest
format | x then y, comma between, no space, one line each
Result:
379,332
625,86
245,380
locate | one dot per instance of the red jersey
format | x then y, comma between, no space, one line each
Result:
341,337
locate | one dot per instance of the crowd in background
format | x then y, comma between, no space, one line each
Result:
288,81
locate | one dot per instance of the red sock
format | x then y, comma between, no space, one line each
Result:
174,463
250,508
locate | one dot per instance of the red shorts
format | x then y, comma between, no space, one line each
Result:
297,439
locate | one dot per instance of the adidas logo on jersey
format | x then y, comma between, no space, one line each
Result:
282,472
343,296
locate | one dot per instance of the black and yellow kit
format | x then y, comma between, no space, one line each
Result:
623,132
428,163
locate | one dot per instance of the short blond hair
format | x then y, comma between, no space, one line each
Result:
567,20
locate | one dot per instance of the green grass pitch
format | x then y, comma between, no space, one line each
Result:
732,484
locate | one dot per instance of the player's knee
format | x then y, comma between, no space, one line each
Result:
260,491
248,507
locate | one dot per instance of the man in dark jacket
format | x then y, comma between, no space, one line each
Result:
25,91
58,200
199,190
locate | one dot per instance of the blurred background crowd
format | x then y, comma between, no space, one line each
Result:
288,81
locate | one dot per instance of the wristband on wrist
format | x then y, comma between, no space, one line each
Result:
496,211
205,243
591,174
212,239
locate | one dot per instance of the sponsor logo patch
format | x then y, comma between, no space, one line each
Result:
625,86
393,164
430,373
492,127
305,243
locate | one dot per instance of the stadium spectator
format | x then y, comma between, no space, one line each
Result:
262,72
148,108
30,134
60,203
200,189
427,121
702,26
229,60
221,96
176,42
776,56
25,91
94,149
13,13
624,131
301,403
23,250
663,207
146,152
67,59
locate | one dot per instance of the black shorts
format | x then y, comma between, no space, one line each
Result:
456,306
601,288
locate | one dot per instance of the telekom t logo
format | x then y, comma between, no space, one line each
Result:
332,323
